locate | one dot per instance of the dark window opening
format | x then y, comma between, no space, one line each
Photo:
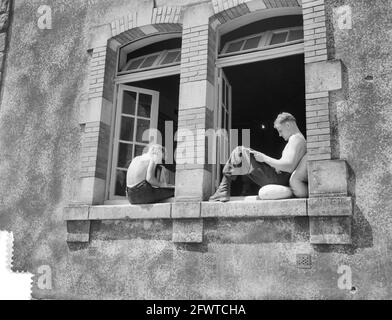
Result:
260,91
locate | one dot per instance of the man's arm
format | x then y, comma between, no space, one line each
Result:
290,157
150,176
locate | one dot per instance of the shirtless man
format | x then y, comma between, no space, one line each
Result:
289,170
142,184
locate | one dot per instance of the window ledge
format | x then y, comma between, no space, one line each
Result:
237,208
329,217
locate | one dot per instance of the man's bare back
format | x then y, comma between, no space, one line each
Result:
137,170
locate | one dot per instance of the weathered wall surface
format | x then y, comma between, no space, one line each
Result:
46,78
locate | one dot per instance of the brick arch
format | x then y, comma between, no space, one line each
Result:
155,16
228,10
137,33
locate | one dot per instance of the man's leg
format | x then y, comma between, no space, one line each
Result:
229,171
298,185
145,193
139,194
160,194
263,174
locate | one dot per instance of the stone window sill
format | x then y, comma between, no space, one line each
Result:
329,217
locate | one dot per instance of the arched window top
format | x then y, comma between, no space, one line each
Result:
158,54
155,60
263,40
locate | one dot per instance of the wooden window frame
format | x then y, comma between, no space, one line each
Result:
116,138
156,65
263,44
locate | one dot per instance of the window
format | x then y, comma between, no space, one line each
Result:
263,41
147,80
148,55
137,112
155,60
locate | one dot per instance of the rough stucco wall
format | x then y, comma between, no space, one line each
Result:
39,141
38,127
364,116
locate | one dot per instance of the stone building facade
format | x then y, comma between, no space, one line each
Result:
66,85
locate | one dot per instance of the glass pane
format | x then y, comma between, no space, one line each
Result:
235,46
178,59
142,125
252,43
144,109
135,64
296,35
278,38
124,155
121,183
149,61
129,102
170,57
127,127
139,150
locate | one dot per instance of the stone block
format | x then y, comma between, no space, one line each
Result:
144,12
197,15
148,29
323,76
328,178
193,94
76,212
188,231
330,206
258,208
78,231
127,211
186,210
256,5
92,191
74,237
191,184
99,36
95,110
330,230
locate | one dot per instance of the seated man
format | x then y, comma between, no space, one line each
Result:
264,170
142,184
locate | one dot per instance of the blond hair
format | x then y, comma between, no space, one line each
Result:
284,117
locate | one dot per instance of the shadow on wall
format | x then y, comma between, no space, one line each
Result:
361,230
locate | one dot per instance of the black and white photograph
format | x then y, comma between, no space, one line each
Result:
194,155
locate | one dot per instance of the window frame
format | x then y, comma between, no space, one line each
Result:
117,130
266,37
157,63
128,77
